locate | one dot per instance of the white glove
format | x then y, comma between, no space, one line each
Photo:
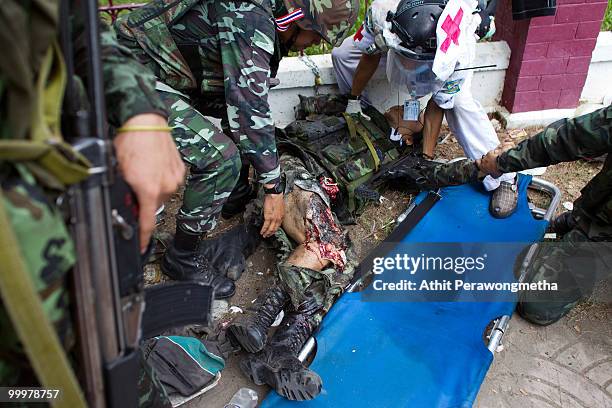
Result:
354,106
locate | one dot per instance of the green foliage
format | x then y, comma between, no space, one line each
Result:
118,2
106,17
325,48
607,22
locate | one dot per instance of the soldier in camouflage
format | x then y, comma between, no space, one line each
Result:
217,58
584,255
27,31
315,266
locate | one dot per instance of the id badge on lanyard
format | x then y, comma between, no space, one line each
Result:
412,108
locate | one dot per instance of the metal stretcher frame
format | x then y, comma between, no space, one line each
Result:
499,325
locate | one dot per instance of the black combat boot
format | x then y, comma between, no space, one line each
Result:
228,252
183,261
251,329
278,365
562,224
242,193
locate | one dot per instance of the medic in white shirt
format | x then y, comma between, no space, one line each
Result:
428,47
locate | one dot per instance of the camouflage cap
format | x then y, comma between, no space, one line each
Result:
332,19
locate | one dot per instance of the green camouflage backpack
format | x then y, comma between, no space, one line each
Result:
350,149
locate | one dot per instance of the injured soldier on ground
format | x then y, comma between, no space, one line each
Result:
332,165
326,162
315,267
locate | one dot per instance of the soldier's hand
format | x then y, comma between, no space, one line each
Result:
273,212
488,163
151,165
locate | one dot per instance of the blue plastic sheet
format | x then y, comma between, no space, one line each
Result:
418,354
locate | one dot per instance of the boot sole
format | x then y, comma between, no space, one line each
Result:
247,341
301,385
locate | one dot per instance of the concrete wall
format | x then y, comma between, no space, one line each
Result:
598,86
296,78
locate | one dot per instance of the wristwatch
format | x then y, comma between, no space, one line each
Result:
278,188
353,97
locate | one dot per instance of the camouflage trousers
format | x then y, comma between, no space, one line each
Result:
575,264
304,285
214,164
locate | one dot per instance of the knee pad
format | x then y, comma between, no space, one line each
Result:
544,313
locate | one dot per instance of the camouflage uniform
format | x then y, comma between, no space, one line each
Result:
213,57
46,245
220,55
304,284
584,254
305,294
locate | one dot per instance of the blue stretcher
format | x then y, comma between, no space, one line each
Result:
422,354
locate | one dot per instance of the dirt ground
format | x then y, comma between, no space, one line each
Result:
500,388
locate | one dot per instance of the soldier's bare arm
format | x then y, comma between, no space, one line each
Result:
147,159
151,165
368,63
431,127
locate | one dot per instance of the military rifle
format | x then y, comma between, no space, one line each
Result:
113,310
412,173
408,174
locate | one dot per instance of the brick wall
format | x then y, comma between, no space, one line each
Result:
550,55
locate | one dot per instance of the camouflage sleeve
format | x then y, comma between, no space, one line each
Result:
583,137
448,174
419,174
247,43
129,87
